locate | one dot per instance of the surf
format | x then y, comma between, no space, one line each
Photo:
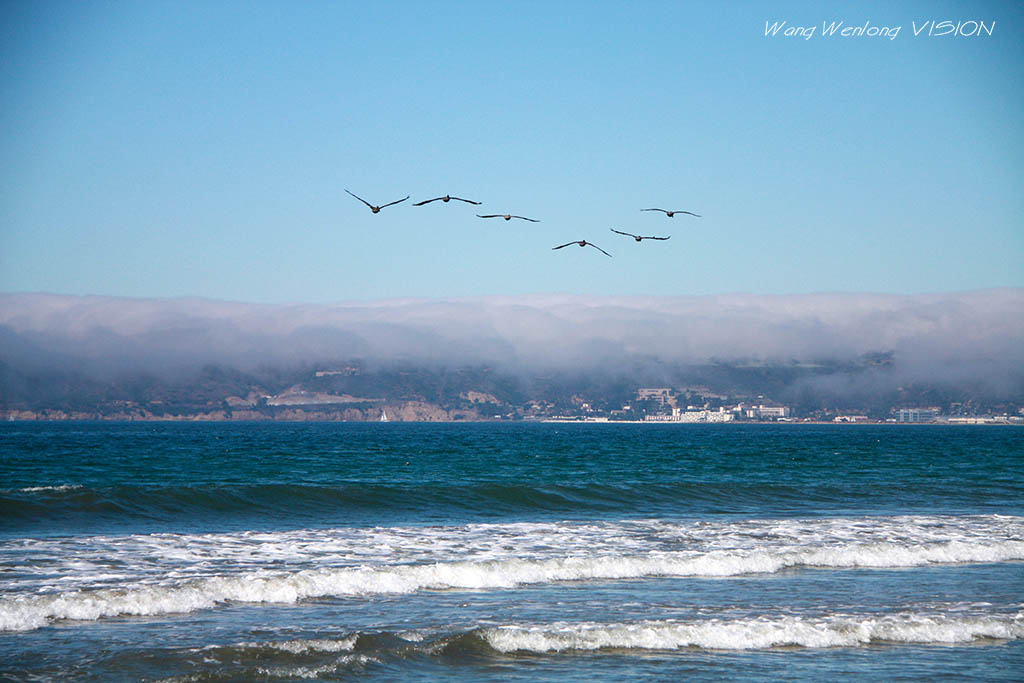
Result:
28,612
758,633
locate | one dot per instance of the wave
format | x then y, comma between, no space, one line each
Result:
58,488
753,633
757,634
166,501
27,612
86,562
74,505
289,660
351,653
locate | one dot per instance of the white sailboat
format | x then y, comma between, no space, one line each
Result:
383,416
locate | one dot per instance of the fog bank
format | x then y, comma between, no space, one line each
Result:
961,336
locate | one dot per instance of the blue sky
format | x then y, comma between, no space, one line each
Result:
165,149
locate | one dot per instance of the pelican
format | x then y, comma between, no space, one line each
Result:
376,209
672,213
447,198
638,238
508,216
582,243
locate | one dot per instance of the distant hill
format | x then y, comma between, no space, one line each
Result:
505,357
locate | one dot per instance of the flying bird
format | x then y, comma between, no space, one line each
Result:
638,238
376,209
672,213
447,198
508,216
582,243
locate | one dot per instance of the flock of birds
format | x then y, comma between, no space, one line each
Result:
507,216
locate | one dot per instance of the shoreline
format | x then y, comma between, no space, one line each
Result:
21,417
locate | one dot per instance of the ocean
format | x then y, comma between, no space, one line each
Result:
510,551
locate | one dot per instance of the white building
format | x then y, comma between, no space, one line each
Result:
917,415
763,411
772,412
692,416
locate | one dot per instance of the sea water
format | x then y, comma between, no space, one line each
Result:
510,551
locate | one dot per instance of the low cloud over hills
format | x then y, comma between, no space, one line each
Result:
974,338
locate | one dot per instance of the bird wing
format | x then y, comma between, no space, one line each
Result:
490,215
623,233
689,212
532,220
468,201
564,245
591,244
662,210
361,199
397,201
657,238
426,201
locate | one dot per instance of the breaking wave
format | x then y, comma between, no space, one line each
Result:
344,654
332,656
758,634
27,612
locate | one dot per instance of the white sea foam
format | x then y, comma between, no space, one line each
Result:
757,634
65,564
24,612
316,672
297,647
40,489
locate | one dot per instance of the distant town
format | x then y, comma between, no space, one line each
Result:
354,391
662,404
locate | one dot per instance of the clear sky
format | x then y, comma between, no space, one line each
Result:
163,149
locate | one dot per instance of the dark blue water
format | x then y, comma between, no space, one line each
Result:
510,551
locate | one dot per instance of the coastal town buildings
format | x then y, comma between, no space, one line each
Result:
763,411
349,393
905,415
720,415
660,395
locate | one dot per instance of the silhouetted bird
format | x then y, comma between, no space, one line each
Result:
638,238
447,198
582,243
507,217
376,209
671,213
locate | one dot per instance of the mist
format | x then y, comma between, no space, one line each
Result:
972,337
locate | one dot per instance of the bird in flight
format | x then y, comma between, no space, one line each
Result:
376,209
582,243
447,198
672,213
508,216
638,238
